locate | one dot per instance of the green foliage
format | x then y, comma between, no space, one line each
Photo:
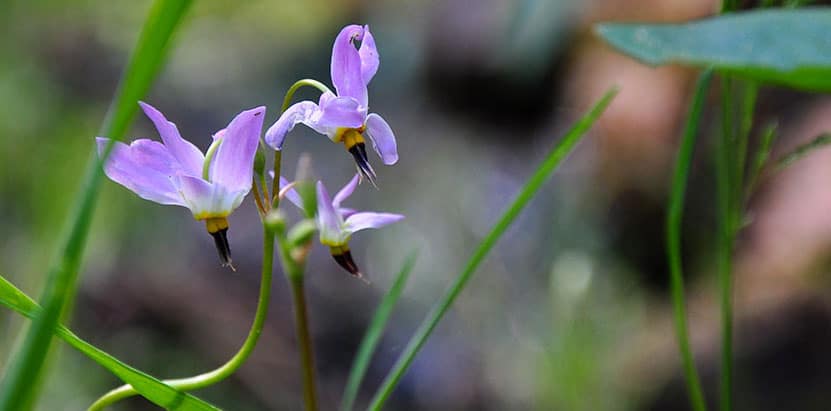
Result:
374,333
529,190
154,390
17,390
781,46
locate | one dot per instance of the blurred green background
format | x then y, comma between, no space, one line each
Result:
570,312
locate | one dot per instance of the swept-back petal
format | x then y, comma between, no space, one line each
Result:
337,112
208,200
329,222
346,191
305,112
233,164
361,221
369,57
291,194
383,140
182,150
346,64
146,168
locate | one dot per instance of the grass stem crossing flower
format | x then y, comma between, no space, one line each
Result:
175,172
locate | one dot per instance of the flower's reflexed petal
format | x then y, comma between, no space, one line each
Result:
182,150
369,57
146,168
329,222
291,194
339,112
219,134
208,200
346,191
361,221
306,112
346,65
345,212
233,164
383,140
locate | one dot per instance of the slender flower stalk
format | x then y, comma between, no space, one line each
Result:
175,172
344,116
224,371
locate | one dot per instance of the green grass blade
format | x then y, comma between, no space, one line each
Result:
673,227
803,150
18,387
154,390
374,333
540,176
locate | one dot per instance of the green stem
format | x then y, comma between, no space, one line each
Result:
219,374
727,217
304,342
540,176
674,215
297,85
294,271
209,156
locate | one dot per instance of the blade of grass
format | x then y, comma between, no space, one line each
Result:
154,390
374,333
673,227
760,159
803,150
540,176
17,391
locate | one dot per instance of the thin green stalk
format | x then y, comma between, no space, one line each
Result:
374,333
540,176
224,371
304,342
727,223
18,388
673,227
306,82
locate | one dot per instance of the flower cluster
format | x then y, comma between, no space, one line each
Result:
214,184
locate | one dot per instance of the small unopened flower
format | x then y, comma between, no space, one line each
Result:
343,117
336,224
175,172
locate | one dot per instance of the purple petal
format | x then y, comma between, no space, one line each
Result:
346,191
207,200
233,165
383,140
340,112
182,150
361,221
369,56
146,168
292,194
329,222
305,112
346,65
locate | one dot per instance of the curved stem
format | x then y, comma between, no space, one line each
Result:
673,227
300,83
212,377
209,156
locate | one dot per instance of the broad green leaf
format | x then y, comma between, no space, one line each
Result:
528,191
782,46
154,390
374,333
20,384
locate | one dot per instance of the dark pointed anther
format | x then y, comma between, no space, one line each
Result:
358,152
221,241
344,259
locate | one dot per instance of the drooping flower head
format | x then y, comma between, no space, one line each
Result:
344,117
175,172
336,224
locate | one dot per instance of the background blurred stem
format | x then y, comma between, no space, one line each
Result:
304,341
219,374
674,217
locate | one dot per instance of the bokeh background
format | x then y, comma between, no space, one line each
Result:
571,310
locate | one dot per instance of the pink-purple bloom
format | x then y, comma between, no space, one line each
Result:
174,172
336,223
344,117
